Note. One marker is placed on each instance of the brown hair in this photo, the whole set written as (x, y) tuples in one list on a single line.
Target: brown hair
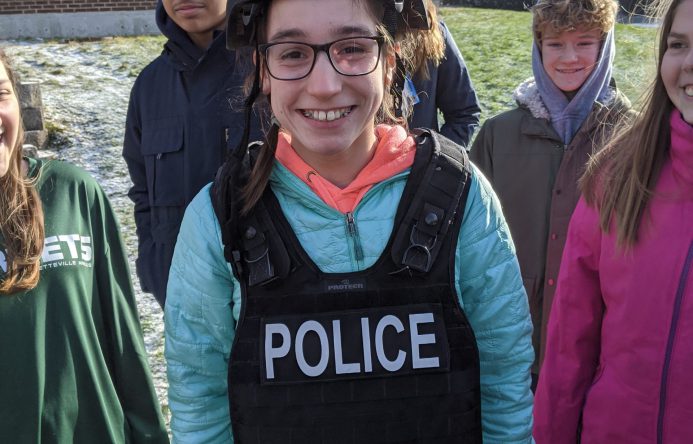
[(620, 179), (429, 45), (259, 176), (21, 216), (557, 16)]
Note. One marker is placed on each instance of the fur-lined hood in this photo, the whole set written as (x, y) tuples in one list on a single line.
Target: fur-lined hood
[(527, 95)]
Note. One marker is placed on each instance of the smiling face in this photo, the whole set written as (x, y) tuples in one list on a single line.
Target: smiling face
[(199, 18), (330, 117), (570, 57), (9, 121), (677, 62)]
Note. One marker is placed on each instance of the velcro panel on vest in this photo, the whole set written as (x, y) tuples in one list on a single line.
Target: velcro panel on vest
[(434, 207)]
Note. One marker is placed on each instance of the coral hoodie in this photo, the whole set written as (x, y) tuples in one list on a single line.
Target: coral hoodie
[(394, 153)]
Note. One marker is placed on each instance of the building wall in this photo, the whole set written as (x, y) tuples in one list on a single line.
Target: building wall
[(71, 6)]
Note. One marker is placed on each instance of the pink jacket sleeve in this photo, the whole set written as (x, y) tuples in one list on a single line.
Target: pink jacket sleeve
[(573, 339)]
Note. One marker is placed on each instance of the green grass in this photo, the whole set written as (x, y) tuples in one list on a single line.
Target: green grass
[(496, 46)]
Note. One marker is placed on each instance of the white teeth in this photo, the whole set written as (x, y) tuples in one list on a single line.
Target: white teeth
[(327, 115), (689, 90)]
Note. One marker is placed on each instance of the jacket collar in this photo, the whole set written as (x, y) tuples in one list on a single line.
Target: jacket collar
[(681, 151), (179, 50), (527, 96)]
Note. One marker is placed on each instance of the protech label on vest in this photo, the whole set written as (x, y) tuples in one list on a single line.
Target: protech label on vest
[(352, 345), (345, 285)]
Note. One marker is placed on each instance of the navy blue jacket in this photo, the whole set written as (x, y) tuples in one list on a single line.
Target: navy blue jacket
[(449, 89), (185, 109)]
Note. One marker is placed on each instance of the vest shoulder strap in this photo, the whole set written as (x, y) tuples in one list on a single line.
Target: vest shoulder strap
[(252, 244), (255, 249), (443, 180)]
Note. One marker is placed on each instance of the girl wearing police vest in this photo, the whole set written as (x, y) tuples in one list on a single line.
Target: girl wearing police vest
[(73, 367), (618, 358), (345, 281)]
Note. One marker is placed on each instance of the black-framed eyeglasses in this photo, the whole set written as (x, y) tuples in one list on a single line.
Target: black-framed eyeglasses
[(352, 56)]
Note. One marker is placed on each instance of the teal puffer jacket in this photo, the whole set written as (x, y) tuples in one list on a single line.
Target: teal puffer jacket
[(203, 302)]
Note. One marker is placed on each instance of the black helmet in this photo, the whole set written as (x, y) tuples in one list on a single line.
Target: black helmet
[(243, 14)]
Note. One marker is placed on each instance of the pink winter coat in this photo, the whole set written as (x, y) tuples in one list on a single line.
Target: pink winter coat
[(620, 334)]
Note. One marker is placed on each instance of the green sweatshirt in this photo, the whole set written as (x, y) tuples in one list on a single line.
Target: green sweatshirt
[(73, 367)]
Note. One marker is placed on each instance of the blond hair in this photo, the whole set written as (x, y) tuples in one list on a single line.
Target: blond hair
[(557, 16), (21, 217), (428, 45)]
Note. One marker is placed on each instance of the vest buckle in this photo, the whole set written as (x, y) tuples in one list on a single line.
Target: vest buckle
[(418, 255)]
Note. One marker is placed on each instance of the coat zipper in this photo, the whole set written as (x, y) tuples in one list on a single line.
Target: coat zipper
[(352, 231), (354, 235), (670, 342)]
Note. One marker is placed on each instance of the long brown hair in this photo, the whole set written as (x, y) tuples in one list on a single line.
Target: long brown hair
[(259, 176), (21, 216), (621, 178), (429, 45)]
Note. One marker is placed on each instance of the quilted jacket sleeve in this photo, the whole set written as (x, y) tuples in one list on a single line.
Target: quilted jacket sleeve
[(199, 329), (572, 351), (494, 300)]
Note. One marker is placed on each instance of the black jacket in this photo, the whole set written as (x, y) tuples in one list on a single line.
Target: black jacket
[(185, 110), (450, 90)]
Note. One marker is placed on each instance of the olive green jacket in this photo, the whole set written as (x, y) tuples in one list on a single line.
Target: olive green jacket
[(535, 176)]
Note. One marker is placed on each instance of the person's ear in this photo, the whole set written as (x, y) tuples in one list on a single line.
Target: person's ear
[(265, 81), (390, 63)]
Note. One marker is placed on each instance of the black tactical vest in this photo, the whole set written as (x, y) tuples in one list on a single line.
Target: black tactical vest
[(382, 355)]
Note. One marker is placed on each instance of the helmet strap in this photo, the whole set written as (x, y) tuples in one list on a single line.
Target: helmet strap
[(242, 147), (397, 86), (390, 18)]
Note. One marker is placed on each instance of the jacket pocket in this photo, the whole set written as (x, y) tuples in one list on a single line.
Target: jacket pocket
[(164, 158)]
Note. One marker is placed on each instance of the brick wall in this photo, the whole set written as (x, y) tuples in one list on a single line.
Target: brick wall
[(41, 6), (521, 5)]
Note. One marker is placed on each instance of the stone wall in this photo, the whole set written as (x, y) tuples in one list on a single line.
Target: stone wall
[(29, 93), (60, 6)]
